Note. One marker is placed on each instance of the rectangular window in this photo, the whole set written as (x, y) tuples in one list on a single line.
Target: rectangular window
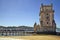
[(47, 22)]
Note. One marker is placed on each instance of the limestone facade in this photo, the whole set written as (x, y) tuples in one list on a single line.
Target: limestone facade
[(47, 22)]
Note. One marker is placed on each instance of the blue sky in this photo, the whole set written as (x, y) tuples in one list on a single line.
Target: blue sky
[(25, 12)]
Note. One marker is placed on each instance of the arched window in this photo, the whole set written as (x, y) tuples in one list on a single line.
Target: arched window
[(47, 22), (47, 14)]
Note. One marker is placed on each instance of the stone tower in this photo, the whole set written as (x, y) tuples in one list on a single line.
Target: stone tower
[(47, 22)]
